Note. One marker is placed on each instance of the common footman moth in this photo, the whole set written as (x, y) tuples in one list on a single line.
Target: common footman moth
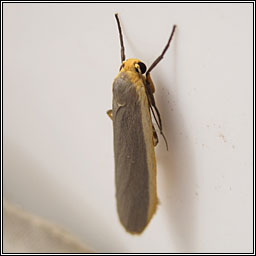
[(134, 140)]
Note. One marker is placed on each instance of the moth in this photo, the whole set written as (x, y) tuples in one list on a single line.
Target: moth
[(135, 137)]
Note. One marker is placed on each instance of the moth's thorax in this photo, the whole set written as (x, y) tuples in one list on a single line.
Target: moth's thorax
[(130, 67)]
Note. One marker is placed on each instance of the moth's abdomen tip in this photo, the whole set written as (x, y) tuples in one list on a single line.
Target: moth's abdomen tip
[(135, 232), (138, 230)]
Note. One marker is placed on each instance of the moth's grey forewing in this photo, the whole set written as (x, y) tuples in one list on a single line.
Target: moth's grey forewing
[(131, 170)]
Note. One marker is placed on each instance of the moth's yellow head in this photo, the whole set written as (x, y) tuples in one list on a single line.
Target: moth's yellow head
[(133, 65)]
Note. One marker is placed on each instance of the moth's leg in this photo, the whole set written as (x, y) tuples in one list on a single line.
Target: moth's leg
[(155, 137), (109, 113), (150, 82)]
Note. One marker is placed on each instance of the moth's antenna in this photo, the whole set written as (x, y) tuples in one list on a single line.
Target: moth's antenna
[(162, 55), (121, 38)]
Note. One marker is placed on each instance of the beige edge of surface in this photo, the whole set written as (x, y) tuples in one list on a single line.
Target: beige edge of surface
[(27, 233)]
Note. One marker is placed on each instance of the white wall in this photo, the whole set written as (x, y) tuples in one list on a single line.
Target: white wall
[(59, 64)]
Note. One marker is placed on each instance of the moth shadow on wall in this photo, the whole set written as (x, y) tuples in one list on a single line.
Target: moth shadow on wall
[(177, 175)]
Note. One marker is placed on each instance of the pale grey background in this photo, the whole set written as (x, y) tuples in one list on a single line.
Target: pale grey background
[(59, 64)]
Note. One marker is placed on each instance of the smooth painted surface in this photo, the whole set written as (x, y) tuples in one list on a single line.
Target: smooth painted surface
[(59, 64)]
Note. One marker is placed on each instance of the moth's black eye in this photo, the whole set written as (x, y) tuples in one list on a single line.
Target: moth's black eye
[(143, 67)]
